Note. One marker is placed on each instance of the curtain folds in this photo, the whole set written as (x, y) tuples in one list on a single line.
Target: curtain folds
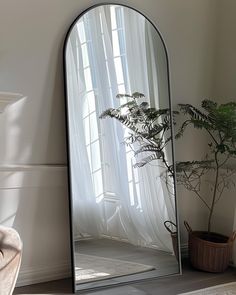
[(109, 52)]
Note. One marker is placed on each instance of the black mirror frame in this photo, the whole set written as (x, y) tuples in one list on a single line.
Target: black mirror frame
[(68, 142)]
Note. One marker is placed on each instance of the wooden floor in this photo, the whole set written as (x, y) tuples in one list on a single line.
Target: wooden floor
[(190, 280), (125, 251), (163, 263)]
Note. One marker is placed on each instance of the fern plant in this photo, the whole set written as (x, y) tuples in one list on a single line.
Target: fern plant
[(219, 122), (150, 127)]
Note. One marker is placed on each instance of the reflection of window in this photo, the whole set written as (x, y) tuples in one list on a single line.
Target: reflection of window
[(120, 61), (89, 113), (118, 41), (107, 38)]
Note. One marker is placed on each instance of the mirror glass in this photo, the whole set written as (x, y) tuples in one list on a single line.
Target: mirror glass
[(123, 205)]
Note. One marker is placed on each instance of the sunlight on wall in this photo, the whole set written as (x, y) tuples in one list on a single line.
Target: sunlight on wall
[(9, 201), (13, 134), (8, 207)]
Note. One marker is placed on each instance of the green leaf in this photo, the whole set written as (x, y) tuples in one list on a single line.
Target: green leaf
[(145, 161)]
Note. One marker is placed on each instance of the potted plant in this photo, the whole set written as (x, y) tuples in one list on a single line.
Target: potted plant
[(150, 133), (207, 250)]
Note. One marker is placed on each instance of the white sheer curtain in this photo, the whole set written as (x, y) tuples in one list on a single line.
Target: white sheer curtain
[(82, 184), (106, 55)]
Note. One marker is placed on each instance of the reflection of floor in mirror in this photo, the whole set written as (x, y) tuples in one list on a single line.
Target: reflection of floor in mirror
[(91, 267), (160, 263)]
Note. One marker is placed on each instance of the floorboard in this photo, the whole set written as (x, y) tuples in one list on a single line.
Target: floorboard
[(163, 263), (125, 251), (172, 285)]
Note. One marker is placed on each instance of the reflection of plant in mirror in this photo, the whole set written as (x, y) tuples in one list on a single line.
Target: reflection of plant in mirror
[(219, 121), (150, 128)]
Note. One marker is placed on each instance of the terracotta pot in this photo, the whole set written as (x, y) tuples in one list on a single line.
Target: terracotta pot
[(209, 252)]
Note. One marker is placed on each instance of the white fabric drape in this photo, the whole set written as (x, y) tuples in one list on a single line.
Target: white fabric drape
[(110, 197), (82, 186)]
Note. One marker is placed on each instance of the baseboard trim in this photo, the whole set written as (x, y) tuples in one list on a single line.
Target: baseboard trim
[(35, 275)]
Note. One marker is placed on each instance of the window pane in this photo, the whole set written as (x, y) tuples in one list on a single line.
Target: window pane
[(121, 89), (119, 72), (91, 101), (88, 79), (121, 39), (89, 156), (113, 18), (93, 127), (131, 193), (85, 107), (115, 43), (101, 23), (104, 47), (97, 182), (108, 74), (129, 166), (85, 55), (87, 131), (81, 32), (118, 12), (95, 154)]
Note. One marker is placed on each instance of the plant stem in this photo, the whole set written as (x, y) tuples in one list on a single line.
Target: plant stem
[(214, 193), (195, 191), (167, 166)]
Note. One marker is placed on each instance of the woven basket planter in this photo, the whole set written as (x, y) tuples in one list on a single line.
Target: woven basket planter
[(211, 253), (172, 229)]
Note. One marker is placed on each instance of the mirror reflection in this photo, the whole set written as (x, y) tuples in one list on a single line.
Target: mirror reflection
[(122, 189)]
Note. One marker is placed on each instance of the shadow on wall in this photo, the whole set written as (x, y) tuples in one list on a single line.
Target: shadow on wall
[(49, 137)]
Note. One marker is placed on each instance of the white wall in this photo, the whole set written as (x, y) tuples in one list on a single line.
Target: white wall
[(32, 132), (33, 200), (224, 90), (225, 62)]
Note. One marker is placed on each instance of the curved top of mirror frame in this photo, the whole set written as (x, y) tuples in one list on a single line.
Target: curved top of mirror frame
[(151, 80), (161, 43), (113, 4)]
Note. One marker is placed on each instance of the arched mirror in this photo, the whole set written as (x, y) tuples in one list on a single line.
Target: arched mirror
[(123, 206)]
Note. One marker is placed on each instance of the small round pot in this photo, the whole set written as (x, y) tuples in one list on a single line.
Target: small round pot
[(209, 252)]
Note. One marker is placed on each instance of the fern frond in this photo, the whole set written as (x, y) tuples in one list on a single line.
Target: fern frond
[(147, 148), (138, 95), (120, 95), (182, 129), (194, 165), (145, 161), (108, 113)]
